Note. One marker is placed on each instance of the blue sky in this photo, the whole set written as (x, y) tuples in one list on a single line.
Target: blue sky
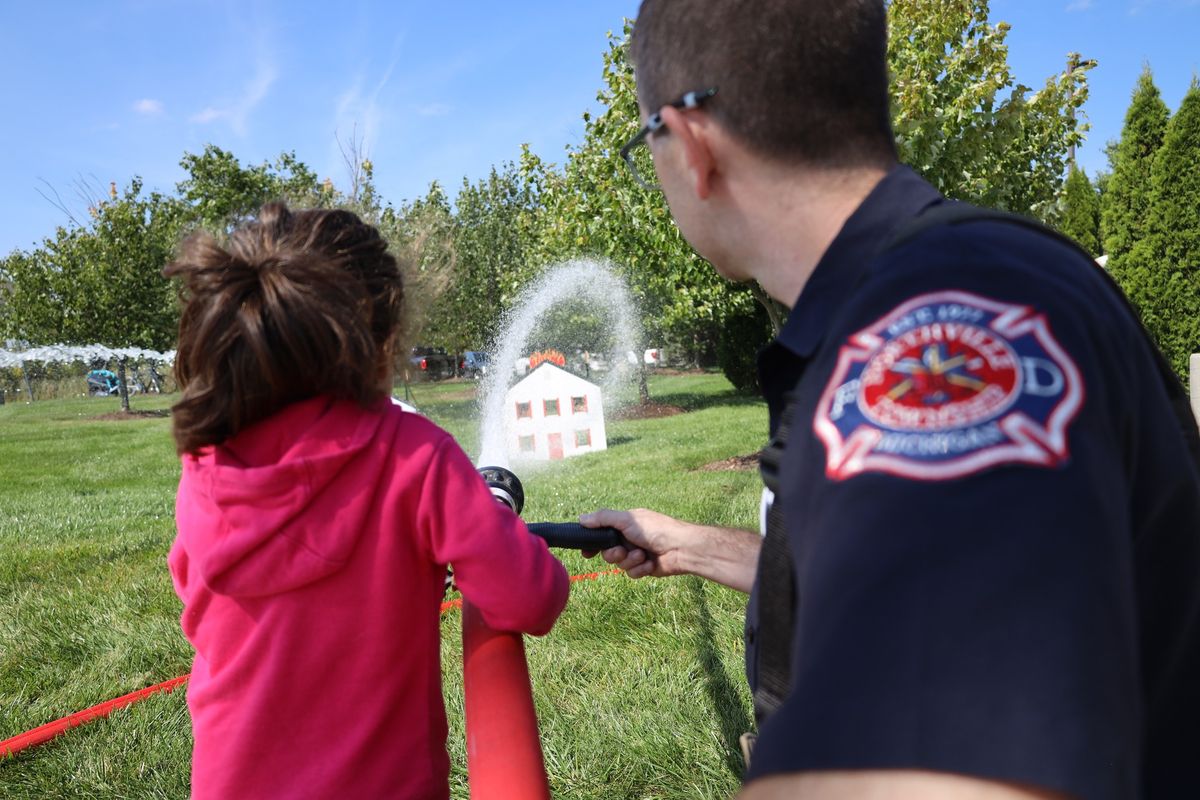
[(105, 91)]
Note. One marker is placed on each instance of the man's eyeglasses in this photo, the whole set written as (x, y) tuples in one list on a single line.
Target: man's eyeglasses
[(636, 153)]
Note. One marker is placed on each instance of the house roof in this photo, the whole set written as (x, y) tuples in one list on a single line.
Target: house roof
[(548, 374)]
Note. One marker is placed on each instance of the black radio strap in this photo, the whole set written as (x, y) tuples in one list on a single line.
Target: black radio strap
[(778, 595), (776, 584)]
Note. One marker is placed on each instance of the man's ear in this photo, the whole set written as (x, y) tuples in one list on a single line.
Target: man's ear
[(692, 133)]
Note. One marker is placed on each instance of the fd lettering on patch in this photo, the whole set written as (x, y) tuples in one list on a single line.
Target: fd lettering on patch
[(946, 385)]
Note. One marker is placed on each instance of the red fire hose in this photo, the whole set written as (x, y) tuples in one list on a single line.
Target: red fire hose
[(504, 751), (44, 733)]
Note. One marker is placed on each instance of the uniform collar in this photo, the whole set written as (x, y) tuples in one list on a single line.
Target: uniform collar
[(901, 195)]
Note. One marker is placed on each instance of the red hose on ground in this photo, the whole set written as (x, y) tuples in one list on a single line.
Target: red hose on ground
[(44, 733), (504, 751)]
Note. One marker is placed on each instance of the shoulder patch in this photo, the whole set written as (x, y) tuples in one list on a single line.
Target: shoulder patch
[(946, 385)]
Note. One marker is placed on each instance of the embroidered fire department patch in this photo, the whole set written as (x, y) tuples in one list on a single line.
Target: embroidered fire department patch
[(946, 385)]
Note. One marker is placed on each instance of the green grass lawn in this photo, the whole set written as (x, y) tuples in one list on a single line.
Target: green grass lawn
[(639, 687)]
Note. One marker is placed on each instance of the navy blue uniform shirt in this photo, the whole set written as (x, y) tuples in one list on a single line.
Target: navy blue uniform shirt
[(993, 518)]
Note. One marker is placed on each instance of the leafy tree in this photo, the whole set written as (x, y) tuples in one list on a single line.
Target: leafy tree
[(222, 193), (421, 233), (1126, 206), (101, 284), (738, 343), (1164, 268), (5, 290), (31, 290), (494, 255), (1080, 218), (963, 122)]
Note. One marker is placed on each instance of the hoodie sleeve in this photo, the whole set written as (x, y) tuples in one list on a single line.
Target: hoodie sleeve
[(503, 569)]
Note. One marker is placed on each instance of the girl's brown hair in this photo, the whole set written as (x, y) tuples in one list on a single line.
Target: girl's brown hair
[(298, 304)]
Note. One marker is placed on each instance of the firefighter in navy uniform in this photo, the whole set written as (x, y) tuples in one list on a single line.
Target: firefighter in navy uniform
[(981, 569)]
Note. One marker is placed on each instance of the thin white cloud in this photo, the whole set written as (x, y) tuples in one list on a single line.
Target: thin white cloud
[(237, 113), (358, 113), (148, 107), (433, 110), (208, 115), (250, 27)]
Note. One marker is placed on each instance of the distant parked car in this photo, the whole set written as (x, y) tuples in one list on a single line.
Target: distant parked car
[(473, 364), (430, 363)]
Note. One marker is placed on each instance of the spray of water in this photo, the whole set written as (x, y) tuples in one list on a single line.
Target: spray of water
[(582, 279)]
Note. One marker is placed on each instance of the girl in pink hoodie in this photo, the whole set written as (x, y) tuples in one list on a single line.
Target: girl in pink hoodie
[(316, 519)]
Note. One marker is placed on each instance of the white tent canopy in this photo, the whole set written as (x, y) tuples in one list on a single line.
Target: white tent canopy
[(61, 353)]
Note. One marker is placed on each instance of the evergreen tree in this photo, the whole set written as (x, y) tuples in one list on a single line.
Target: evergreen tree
[(1127, 198), (1081, 212), (1165, 269)]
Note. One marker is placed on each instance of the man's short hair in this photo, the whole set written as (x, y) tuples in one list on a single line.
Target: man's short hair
[(799, 81)]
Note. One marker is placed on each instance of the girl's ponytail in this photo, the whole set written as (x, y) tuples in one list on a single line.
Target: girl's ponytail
[(297, 305)]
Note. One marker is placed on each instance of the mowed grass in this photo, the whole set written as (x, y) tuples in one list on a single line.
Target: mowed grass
[(639, 687)]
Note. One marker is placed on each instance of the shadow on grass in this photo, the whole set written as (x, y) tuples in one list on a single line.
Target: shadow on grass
[(727, 702), (54, 567), (690, 401), (617, 441), (133, 413)]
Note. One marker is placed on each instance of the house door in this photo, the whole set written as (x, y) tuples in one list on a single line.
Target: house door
[(554, 442)]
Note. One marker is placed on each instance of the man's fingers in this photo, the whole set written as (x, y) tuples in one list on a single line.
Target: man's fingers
[(635, 559), (623, 521), (605, 518), (642, 570), (635, 562), (614, 555)]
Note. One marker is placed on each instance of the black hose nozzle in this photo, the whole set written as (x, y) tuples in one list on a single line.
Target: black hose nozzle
[(505, 486), (573, 536)]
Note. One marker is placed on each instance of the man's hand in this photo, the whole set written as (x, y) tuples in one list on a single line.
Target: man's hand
[(662, 546), (654, 538)]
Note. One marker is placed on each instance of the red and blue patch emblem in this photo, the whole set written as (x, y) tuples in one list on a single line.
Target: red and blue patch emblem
[(946, 385)]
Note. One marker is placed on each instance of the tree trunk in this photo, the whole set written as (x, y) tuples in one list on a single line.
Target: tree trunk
[(121, 384), (28, 385), (775, 310), (643, 389)]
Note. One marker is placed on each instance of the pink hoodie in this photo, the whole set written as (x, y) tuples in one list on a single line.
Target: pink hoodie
[(310, 559)]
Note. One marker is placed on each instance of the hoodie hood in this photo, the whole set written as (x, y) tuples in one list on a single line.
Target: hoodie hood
[(241, 507)]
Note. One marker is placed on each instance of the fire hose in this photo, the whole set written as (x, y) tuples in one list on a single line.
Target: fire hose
[(504, 749)]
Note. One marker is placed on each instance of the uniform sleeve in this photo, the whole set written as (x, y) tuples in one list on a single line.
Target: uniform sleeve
[(505, 571), (964, 563)]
